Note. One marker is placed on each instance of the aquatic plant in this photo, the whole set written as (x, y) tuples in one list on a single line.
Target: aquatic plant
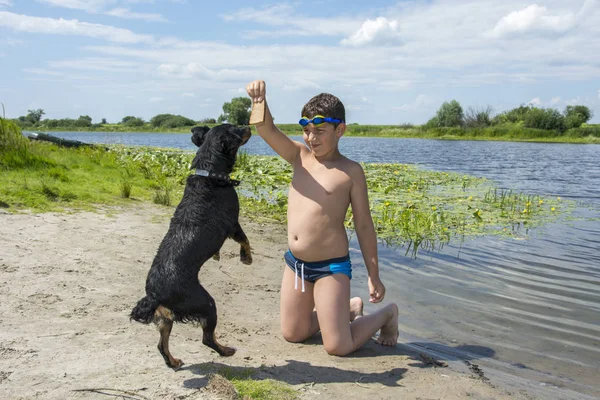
[(411, 207)]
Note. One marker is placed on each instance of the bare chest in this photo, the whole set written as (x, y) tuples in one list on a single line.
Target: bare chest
[(322, 184)]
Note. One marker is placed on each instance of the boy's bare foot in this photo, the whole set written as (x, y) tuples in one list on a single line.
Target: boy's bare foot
[(388, 336), (356, 308)]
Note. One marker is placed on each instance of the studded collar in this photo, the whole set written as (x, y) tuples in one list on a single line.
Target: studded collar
[(217, 175)]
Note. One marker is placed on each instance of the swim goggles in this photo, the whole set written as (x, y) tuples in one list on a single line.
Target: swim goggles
[(318, 120)]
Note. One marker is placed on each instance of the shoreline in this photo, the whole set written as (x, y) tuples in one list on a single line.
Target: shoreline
[(69, 281), (564, 140)]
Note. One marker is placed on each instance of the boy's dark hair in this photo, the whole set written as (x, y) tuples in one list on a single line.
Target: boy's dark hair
[(325, 104)]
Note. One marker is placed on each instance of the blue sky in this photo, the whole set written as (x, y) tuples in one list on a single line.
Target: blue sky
[(389, 62)]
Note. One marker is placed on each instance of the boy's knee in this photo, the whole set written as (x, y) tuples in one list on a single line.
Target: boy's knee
[(293, 336), (337, 349)]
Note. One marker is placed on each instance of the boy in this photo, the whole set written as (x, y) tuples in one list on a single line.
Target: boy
[(324, 185)]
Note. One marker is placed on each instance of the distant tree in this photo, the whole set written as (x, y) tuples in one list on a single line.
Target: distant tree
[(514, 116), (158, 120), (84, 121), (545, 118), (133, 121), (103, 121), (127, 118), (575, 116), (207, 121), (478, 118), (170, 121), (450, 114), (34, 116), (237, 111)]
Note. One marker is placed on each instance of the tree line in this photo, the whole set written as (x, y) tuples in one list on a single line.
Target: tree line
[(450, 114)]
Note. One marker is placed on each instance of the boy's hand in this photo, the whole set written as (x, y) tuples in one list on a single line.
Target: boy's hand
[(257, 90), (376, 290)]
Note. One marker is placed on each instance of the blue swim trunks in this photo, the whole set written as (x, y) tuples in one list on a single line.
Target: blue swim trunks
[(312, 271)]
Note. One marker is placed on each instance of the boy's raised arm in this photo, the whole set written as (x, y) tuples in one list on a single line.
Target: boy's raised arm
[(287, 148)]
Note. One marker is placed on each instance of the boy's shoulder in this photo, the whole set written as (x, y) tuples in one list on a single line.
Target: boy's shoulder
[(351, 167)]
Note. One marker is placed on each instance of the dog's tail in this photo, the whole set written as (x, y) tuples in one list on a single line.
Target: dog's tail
[(144, 310)]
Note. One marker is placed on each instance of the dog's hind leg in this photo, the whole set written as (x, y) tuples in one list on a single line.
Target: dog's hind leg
[(163, 318), (208, 324), (240, 237)]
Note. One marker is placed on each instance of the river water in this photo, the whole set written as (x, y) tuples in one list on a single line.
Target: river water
[(526, 311)]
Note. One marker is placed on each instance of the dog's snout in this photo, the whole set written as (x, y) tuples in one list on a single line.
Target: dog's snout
[(246, 134)]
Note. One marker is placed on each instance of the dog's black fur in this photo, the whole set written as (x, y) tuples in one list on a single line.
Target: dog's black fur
[(207, 215)]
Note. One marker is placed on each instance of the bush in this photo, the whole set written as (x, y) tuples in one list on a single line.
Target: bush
[(133, 121), (450, 114), (575, 116), (548, 119), (207, 121), (514, 116), (177, 121), (478, 118), (158, 120), (432, 123), (170, 121), (15, 151)]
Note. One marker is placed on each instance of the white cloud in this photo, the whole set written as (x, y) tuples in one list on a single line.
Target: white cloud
[(41, 71), (196, 70), (535, 18), (555, 100), (25, 23), (128, 14), (291, 22), (5, 3), (100, 7), (420, 101), (598, 93), (535, 102), (155, 99), (84, 5), (10, 41), (96, 64), (188, 94), (274, 15), (373, 30), (300, 84)]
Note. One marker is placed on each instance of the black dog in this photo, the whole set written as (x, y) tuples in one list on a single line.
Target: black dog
[(207, 215)]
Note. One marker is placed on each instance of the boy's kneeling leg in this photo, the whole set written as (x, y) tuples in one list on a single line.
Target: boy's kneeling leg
[(332, 301), (298, 320)]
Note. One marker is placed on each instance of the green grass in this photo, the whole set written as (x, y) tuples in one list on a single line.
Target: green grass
[(44, 177), (248, 387), (259, 389)]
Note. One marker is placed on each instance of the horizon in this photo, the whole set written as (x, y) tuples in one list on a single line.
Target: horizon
[(389, 62)]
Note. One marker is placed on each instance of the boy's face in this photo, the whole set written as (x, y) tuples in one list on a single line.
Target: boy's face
[(322, 138)]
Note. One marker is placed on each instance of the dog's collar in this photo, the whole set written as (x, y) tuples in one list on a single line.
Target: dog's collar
[(217, 175)]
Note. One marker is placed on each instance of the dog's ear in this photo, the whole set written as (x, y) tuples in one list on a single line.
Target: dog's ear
[(198, 133)]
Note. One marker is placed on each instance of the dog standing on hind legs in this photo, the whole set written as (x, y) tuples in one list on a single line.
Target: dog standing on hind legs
[(205, 217)]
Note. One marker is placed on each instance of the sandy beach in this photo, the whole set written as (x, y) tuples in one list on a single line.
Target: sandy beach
[(68, 282)]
